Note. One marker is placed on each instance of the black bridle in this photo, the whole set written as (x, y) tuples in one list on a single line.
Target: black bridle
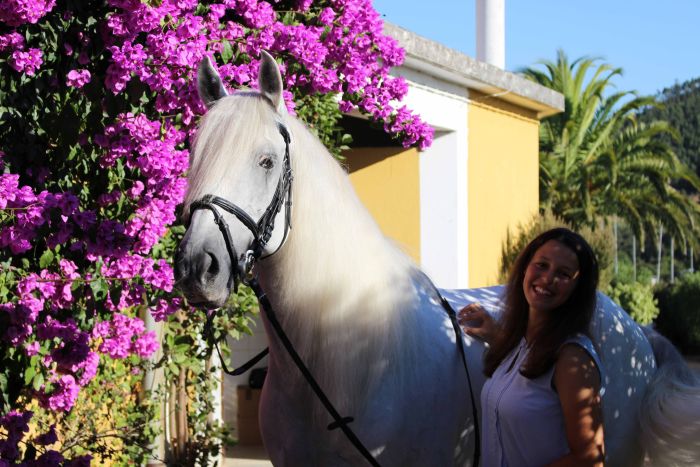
[(262, 231)]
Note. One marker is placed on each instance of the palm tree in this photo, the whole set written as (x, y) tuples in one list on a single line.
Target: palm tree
[(635, 175), (597, 161)]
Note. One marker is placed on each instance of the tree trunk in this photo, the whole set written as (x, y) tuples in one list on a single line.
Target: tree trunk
[(616, 267), (634, 258), (658, 262), (152, 380), (173, 419), (182, 431), (672, 264)]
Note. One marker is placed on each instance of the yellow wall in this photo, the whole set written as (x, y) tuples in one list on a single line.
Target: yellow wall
[(502, 180), (387, 181)]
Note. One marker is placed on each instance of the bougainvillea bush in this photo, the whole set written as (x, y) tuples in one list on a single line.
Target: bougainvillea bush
[(97, 111)]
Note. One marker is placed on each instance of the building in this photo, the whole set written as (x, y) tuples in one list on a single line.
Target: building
[(452, 205)]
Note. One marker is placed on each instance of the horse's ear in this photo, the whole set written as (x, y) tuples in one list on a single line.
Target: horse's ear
[(209, 84), (270, 81)]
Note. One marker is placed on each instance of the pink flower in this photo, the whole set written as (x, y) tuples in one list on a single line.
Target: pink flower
[(64, 395), (26, 62), (136, 189), (17, 12), (31, 349), (327, 16), (77, 78), (69, 269), (146, 344), (11, 41)]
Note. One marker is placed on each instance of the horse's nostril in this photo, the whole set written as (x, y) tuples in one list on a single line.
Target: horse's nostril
[(180, 265), (213, 267)]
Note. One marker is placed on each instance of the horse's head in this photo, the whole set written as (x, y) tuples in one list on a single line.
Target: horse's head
[(239, 184)]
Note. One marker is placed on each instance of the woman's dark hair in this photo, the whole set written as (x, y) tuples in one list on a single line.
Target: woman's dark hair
[(572, 317)]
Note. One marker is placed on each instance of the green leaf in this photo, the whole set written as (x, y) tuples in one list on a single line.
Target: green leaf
[(173, 368), (99, 288), (46, 259), (3, 383), (38, 381), (179, 358), (181, 349), (72, 152), (29, 375), (226, 51)]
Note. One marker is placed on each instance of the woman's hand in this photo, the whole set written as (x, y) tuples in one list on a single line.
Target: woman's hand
[(477, 322)]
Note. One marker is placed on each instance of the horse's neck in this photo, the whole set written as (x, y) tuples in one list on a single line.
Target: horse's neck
[(344, 294), (338, 271), (336, 254)]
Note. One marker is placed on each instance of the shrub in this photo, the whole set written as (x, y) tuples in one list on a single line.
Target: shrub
[(645, 274), (97, 108), (679, 316), (635, 298), (601, 242)]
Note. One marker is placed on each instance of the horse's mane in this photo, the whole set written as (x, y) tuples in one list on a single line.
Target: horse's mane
[(346, 293), (343, 273)]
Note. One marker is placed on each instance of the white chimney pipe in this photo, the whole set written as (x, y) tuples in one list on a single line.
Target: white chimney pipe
[(491, 32)]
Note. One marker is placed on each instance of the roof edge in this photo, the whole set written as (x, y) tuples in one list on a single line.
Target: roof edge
[(438, 60)]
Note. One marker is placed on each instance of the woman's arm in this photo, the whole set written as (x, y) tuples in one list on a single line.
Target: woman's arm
[(577, 382)]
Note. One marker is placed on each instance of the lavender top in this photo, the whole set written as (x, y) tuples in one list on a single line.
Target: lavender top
[(523, 424)]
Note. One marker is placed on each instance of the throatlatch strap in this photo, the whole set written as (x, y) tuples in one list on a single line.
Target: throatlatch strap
[(241, 369)]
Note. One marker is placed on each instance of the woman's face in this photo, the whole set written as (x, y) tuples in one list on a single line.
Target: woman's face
[(551, 276)]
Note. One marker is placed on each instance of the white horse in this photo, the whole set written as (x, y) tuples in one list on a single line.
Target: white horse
[(363, 318)]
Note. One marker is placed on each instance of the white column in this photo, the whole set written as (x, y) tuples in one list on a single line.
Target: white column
[(491, 32), (443, 211), (443, 169)]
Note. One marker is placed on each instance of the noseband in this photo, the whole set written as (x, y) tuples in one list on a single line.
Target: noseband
[(261, 230)]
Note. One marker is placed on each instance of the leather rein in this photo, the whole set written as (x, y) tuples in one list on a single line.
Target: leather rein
[(262, 231)]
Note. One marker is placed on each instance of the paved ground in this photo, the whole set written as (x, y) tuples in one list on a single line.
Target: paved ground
[(246, 456), (255, 456)]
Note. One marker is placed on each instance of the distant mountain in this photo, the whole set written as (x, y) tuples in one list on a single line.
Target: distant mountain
[(682, 110)]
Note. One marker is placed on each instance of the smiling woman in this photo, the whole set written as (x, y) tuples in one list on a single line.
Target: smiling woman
[(550, 278), (542, 365)]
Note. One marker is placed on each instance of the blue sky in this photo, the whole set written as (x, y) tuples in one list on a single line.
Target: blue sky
[(657, 43)]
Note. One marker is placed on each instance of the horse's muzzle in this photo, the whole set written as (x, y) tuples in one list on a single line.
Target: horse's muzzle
[(204, 277)]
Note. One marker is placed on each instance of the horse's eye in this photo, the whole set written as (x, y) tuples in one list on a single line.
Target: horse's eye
[(266, 162)]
